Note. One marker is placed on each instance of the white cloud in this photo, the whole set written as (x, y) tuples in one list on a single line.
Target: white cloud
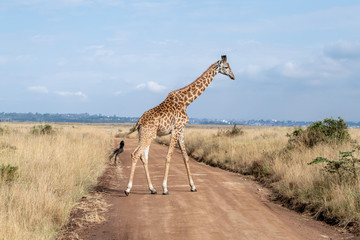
[(42, 89), (152, 86), (155, 87), (332, 64), (67, 94), (140, 86), (291, 69), (334, 18), (38, 89), (301, 72)]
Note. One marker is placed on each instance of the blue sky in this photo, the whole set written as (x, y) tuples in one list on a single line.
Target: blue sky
[(292, 60)]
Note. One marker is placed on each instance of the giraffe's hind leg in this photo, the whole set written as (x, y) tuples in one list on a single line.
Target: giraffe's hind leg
[(141, 152)]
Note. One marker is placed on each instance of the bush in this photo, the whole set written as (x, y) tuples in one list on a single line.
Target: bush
[(8, 172), (235, 131), (120, 134), (346, 167), (4, 130), (260, 169), (42, 130), (325, 131)]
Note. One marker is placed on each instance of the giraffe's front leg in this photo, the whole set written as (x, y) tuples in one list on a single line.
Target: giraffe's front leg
[(167, 163)]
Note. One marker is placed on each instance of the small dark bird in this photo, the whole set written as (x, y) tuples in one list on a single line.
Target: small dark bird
[(117, 151)]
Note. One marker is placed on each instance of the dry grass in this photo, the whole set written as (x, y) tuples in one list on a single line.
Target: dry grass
[(55, 171), (262, 152), (235, 153), (90, 210)]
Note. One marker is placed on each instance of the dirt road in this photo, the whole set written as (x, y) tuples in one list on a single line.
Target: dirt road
[(226, 206)]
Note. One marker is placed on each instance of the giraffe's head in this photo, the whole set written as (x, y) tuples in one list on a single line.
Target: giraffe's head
[(223, 67)]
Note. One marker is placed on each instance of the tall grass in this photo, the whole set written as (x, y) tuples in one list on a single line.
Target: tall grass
[(54, 171), (236, 153), (263, 153)]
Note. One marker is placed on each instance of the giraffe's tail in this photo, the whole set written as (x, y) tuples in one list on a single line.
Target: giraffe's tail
[(134, 128)]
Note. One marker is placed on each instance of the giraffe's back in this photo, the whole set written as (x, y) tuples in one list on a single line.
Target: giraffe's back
[(164, 117)]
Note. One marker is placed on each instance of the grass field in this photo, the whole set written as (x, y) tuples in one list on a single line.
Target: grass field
[(54, 171), (57, 168), (262, 152)]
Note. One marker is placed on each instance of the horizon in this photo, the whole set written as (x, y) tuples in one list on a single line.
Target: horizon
[(291, 60), (228, 120)]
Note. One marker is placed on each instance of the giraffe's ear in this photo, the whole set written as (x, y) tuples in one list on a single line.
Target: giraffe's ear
[(223, 58)]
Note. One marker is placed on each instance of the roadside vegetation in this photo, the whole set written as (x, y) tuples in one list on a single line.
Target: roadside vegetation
[(313, 169), (44, 171), (46, 168)]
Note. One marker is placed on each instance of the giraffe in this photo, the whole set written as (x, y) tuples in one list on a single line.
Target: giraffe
[(170, 117)]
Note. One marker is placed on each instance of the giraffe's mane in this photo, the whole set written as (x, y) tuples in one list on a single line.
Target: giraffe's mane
[(180, 89)]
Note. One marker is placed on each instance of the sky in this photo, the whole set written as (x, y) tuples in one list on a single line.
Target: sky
[(293, 60)]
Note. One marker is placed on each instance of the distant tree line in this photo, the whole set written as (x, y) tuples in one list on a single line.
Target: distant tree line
[(58, 117), (99, 118)]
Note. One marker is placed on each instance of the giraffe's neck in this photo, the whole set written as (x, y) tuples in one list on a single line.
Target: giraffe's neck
[(192, 91)]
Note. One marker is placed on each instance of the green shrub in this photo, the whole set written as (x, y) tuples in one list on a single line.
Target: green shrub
[(325, 131), (42, 130), (8, 172), (346, 167)]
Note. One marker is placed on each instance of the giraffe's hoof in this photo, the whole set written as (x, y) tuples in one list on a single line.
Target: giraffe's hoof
[(153, 191), (166, 193), (127, 193), (193, 190)]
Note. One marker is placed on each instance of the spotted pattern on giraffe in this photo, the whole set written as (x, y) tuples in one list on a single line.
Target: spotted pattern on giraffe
[(170, 117)]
